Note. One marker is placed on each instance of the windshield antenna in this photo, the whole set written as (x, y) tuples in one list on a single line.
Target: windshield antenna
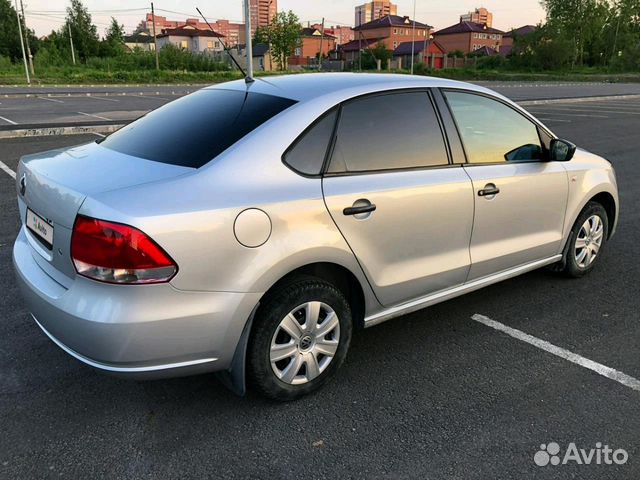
[(224, 45)]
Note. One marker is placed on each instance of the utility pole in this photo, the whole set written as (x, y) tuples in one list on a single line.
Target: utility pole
[(155, 40), (73, 52), (413, 37), (321, 42), (26, 39), (24, 55), (249, 49)]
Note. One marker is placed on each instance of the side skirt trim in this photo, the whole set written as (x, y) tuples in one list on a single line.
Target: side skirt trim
[(443, 295)]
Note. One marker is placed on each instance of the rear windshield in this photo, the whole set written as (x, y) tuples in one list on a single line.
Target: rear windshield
[(193, 130)]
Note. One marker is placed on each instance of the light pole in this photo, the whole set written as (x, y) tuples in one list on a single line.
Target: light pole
[(413, 37)]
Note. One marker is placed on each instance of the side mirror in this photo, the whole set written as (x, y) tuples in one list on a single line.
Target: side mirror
[(561, 150)]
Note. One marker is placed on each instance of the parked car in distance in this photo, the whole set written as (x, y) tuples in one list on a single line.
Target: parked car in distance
[(250, 228)]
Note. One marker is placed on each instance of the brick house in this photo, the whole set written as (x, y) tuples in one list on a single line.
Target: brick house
[(192, 39), (468, 37), (343, 34), (392, 30), (309, 46), (429, 52)]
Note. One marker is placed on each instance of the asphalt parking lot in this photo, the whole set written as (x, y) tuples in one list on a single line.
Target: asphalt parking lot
[(433, 394), (75, 104)]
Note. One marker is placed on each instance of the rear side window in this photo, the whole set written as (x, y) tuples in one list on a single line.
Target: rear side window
[(386, 132), (307, 154), (193, 130), (493, 132)]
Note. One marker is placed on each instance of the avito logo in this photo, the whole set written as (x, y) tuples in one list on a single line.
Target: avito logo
[(550, 453)]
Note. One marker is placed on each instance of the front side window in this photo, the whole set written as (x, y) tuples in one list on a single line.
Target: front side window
[(492, 132), (196, 128), (386, 132)]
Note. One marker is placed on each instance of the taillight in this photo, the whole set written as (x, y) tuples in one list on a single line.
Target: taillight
[(117, 253)]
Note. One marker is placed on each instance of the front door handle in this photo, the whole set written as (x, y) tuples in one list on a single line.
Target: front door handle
[(359, 210), (489, 190)]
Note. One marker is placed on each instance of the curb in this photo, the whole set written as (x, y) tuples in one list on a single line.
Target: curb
[(48, 131), (93, 94), (526, 103)]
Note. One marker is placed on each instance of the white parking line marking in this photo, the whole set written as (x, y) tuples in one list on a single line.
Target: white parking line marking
[(582, 108), (7, 120), (554, 120), (600, 369), (153, 98), (547, 112), (103, 99), (51, 99), (92, 115), (7, 170)]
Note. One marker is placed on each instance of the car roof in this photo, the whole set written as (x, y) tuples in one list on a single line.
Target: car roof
[(306, 87)]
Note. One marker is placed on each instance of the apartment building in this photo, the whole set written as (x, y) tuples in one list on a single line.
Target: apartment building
[(262, 13), (367, 12), (479, 15)]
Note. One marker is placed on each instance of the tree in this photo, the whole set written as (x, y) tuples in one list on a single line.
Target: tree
[(580, 22), (113, 44), (284, 35), (9, 36), (83, 31)]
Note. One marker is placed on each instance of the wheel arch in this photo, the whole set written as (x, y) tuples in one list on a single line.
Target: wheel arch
[(339, 276), (609, 203)]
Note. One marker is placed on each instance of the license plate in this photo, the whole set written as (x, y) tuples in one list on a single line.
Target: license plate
[(40, 227)]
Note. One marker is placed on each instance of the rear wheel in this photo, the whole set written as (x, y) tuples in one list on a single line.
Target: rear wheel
[(300, 338), (586, 241)]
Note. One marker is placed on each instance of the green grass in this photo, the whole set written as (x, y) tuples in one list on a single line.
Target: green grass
[(14, 74)]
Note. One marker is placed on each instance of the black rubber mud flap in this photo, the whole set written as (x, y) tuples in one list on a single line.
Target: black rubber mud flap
[(235, 377)]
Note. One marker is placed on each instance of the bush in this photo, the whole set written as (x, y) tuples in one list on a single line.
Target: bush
[(494, 62)]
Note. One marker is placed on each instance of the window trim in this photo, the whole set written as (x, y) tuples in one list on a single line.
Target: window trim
[(540, 129), (429, 92)]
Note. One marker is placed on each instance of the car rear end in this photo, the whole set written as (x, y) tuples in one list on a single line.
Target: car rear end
[(102, 288)]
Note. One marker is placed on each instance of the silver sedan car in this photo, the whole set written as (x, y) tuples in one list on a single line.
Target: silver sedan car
[(250, 228)]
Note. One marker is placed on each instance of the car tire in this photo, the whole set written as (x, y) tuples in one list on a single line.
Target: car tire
[(314, 352), (589, 234)]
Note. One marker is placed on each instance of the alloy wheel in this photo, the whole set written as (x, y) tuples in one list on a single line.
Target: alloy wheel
[(589, 241)]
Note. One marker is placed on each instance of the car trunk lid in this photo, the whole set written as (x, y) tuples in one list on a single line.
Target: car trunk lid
[(54, 184)]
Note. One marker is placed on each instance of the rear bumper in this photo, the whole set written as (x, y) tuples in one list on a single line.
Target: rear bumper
[(146, 331)]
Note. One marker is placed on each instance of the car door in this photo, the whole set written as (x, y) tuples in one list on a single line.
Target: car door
[(404, 210), (520, 198)]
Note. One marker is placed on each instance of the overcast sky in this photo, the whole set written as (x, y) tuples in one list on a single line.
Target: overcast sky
[(45, 15)]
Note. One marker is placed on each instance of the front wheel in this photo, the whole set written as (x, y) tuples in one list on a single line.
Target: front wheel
[(586, 241), (300, 338)]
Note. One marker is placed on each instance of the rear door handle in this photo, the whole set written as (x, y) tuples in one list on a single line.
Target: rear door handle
[(359, 210), (489, 190)]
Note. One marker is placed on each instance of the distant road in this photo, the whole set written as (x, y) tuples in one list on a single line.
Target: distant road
[(77, 105)]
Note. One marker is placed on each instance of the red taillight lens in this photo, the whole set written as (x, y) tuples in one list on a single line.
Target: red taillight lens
[(117, 253)]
